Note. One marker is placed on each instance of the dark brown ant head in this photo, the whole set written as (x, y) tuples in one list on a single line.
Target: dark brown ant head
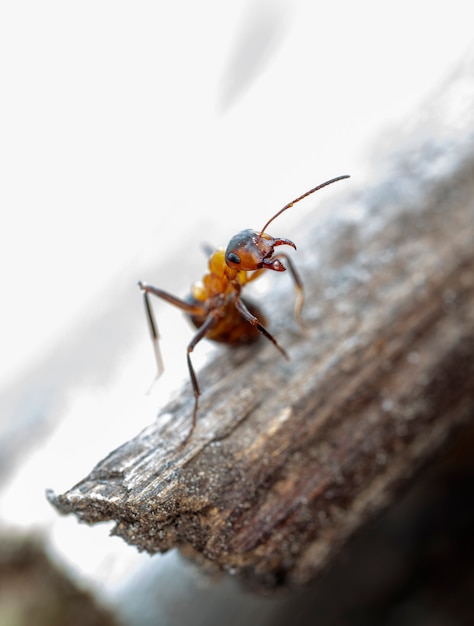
[(249, 250)]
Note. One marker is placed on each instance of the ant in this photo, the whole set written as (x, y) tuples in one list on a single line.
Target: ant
[(215, 305)]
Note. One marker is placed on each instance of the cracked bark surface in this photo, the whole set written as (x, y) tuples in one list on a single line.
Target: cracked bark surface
[(290, 459)]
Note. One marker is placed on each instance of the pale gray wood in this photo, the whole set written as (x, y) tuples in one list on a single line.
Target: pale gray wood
[(289, 459)]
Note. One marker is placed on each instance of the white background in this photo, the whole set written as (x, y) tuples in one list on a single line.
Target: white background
[(130, 133)]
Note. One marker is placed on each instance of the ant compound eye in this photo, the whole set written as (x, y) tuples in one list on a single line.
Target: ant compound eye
[(233, 258)]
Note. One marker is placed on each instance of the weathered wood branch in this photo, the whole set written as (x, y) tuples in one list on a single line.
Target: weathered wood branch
[(289, 459)]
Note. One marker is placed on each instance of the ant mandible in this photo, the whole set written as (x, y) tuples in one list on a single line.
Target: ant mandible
[(215, 305)]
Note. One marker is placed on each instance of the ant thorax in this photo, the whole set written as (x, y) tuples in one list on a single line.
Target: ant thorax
[(220, 278)]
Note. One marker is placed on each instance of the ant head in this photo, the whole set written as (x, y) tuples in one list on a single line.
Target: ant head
[(250, 250)]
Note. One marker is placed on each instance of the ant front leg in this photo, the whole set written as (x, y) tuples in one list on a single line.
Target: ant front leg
[(251, 319), (298, 287), (297, 282), (152, 325)]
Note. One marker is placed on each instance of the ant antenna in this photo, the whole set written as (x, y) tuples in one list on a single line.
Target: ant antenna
[(308, 193)]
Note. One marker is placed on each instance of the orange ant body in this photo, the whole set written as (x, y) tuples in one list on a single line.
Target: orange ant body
[(215, 305)]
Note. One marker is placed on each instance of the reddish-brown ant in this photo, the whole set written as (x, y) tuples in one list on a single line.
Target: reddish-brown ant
[(215, 305)]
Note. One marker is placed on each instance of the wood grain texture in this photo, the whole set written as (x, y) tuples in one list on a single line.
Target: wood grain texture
[(289, 459)]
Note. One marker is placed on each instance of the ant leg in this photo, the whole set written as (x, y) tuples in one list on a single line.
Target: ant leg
[(298, 287), (251, 319), (210, 320), (255, 274), (192, 309), (155, 335), (207, 249), (152, 325)]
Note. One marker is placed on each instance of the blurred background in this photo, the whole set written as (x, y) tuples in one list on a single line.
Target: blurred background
[(130, 134)]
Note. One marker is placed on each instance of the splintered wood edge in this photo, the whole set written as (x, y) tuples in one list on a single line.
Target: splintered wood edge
[(289, 459)]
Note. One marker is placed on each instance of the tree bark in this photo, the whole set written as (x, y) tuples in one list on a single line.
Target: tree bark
[(289, 459)]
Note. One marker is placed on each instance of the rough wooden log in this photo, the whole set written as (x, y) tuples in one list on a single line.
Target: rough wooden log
[(289, 459)]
